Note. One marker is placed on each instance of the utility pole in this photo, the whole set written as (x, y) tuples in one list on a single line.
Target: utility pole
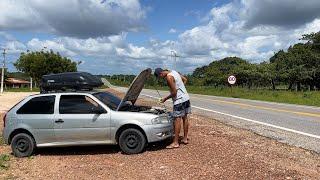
[(2, 71), (30, 83), (174, 55)]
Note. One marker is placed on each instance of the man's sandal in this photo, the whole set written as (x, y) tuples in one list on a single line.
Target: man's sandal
[(172, 146), (184, 142)]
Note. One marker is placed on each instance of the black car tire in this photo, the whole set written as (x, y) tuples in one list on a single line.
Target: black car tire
[(132, 141), (22, 145)]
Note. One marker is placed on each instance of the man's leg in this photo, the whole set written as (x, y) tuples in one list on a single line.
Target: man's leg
[(177, 126), (185, 128)]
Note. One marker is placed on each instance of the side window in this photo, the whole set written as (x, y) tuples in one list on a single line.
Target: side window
[(38, 105), (77, 104)]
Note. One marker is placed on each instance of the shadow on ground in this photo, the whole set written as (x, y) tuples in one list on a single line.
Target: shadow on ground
[(93, 150)]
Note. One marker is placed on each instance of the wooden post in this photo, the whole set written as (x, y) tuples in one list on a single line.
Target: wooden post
[(30, 83)]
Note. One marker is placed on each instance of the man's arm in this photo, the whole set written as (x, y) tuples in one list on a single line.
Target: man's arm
[(184, 79), (172, 86)]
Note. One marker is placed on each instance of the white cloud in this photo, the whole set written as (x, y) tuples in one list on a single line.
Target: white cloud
[(6, 36), (226, 32), (14, 47), (199, 41), (76, 18), (36, 44), (257, 46), (172, 31)]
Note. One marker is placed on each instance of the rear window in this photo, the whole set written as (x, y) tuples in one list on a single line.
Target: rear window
[(77, 104), (38, 105)]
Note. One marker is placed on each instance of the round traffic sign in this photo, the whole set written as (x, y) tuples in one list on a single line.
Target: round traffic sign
[(232, 79)]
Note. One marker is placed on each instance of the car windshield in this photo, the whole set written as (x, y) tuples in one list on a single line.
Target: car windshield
[(108, 99)]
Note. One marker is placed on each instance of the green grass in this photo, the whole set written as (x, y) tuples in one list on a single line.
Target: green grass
[(119, 82), (4, 161), (311, 98), (21, 90)]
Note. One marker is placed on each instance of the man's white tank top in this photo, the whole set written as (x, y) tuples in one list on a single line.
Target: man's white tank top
[(182, 94)]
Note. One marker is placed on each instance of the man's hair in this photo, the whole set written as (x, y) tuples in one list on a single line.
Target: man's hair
[(157, 72)]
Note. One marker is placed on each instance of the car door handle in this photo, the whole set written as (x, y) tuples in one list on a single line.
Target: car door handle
[(59, 121)]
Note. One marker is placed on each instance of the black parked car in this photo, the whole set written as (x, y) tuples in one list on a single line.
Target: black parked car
[(69, 81)]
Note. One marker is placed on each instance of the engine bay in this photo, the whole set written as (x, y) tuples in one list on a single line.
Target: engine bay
[(144, 109)]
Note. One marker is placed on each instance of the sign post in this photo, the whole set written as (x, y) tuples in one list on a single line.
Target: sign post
[(232, 80), (30, 83)]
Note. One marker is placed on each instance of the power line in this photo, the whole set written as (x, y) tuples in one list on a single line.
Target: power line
[(174, 55)]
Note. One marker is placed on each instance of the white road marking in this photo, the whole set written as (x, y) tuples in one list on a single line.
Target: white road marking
[(250, 120), (262, 123)]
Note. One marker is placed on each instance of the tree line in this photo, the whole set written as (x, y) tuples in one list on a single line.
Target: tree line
[(297, 68)]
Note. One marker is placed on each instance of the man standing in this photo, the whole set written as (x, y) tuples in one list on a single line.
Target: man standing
[(181, 103)]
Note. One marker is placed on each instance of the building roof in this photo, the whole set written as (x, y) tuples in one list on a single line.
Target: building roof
[(16, 81)]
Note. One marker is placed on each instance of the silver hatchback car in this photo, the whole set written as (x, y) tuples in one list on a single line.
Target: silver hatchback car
[(86, 118)]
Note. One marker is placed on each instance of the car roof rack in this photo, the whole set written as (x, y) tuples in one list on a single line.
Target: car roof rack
[(70, 91), (69, 82)]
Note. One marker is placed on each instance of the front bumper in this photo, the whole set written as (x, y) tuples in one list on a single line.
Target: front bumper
[(158, 132)]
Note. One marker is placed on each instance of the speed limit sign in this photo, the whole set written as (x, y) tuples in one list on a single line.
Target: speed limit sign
[(232, 79)]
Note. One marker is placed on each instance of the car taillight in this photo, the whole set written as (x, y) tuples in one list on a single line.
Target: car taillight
[(4, 120)]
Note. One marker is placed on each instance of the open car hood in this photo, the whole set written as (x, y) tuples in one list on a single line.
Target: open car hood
[(136, 87)]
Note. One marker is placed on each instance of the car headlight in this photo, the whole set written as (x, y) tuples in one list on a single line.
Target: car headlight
[(160, 120)]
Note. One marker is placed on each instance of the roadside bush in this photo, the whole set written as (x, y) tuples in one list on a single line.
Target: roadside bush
[(4, 161), (1, 140)]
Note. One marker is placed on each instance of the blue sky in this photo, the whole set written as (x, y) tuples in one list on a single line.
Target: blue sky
[(126, 36), (165, 15)]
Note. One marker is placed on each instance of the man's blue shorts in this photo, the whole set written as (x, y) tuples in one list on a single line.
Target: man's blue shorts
[(182, 109)]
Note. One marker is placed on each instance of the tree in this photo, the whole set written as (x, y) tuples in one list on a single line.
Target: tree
[(37, 64), (299, 65), (268, 74), (217, 72), (313, 40)]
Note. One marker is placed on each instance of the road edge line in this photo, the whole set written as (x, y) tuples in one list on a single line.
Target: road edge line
[(250, 120)]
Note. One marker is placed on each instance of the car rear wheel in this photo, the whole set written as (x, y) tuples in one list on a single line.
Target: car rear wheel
[(22, 145), (132, 141)]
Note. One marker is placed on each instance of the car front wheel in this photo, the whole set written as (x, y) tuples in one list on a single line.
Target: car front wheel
[(132, 141), (22, 145)]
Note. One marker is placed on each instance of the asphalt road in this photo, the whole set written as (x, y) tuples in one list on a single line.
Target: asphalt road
[(293, 124)]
